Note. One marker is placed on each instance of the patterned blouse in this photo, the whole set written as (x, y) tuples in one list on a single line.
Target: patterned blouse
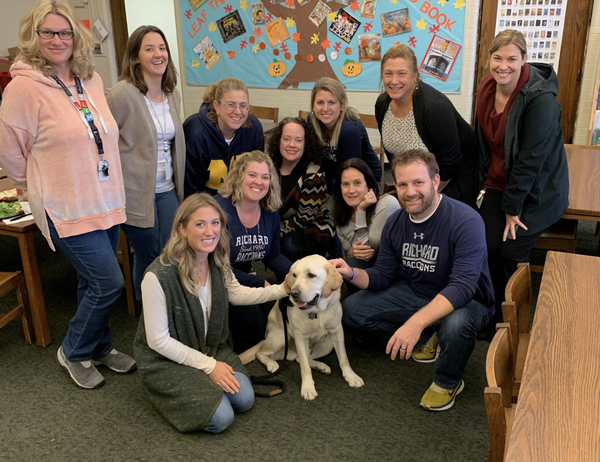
[(400, 134)]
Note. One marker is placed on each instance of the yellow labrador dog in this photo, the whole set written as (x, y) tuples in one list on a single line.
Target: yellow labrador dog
[(315, 325)]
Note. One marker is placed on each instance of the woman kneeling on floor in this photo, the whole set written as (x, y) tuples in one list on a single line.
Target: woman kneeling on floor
[(183, 346)]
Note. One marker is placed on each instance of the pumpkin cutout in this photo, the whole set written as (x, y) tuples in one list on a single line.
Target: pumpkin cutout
[(351, 68), (277, 68)]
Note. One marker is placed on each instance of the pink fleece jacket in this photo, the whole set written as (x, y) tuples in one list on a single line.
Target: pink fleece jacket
[(45, 150)]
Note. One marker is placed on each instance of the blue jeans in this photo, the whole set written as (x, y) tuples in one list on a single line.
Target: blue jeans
[(94, 256), (385, 311), (232, 403), (148, 243)]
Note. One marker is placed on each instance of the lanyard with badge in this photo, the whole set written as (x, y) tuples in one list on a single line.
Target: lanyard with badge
[(88, 118)]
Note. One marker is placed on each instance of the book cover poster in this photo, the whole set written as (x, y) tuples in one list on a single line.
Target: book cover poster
[(344, 26), (207, 52), (319, 13), (231, 26), (367, 8), (258, 14), (395, 22), (440, 57), (369, 48), (277, 32), (195, 4)]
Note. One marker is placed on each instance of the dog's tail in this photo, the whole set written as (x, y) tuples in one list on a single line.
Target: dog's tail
[(250, 354)]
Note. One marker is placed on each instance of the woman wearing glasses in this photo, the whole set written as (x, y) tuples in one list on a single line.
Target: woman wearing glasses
[(146, 106), (59, 144), (221, 130)]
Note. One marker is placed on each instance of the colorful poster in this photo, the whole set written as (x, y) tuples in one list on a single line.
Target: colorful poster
[(291, 43)]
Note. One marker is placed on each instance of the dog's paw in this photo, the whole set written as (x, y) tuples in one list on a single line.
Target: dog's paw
[(354, 380), (321, 367), (308, 392), (272, 366)]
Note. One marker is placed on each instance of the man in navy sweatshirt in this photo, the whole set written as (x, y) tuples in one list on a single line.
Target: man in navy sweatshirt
[(430, 289)]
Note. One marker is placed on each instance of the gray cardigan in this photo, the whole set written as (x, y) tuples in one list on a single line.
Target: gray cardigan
[(138, 145)]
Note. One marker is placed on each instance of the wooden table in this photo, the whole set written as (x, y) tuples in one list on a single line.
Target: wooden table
[(24, 233), (584, 182), (557, 418)]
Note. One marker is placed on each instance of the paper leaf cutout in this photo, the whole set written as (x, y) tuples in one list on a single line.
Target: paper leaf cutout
[(289, 22), (459, 4), (412, 42), (314, 39), (244, 4), (296, 37), (325, 44), (421, 24), (231, 54), (195, 63), (212, 27)]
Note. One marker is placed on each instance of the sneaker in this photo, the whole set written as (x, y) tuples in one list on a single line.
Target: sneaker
[(83, 373), (440, 399), (117, 361), (429, 352)]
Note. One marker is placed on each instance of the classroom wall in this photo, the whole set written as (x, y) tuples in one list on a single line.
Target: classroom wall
[(165, 15), (290, 101)]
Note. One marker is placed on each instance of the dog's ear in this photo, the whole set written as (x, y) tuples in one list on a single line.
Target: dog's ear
[(333, 281), (289, 278)]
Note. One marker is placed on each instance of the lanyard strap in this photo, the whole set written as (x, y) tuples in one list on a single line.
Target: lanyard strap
[(83, 109)]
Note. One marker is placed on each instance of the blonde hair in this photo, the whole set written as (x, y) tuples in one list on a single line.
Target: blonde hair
[(338, 90), (216, 92), (81, 62), (230, 189), (132, 70), (506, 37), (400, 51), (177, 250)]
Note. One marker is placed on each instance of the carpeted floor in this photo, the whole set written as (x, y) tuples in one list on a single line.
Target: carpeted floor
[(44, 416)]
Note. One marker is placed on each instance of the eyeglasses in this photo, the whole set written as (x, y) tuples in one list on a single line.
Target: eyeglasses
[(49, 34), (231, 106)]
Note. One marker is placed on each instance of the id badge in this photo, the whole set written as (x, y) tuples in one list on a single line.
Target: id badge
[(103, 170)]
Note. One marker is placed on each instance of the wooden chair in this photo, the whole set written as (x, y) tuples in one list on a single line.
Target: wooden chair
[(14, 281), (499, 369), (516, 312), (370, 123), (561, 236), (303, 114), (270, 114), (125, 260), (265, 113)]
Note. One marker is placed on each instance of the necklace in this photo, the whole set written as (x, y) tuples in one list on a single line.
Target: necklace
[(244, 221), (162, 129)]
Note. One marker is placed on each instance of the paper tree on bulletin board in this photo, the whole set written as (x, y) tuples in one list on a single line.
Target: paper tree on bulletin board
[(293, 43)]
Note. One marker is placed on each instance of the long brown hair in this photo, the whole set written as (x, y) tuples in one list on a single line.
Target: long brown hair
[(132, 70), (178, 252)]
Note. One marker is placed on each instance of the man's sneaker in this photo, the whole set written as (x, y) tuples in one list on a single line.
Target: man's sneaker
[(429, 352), (117, 361), (83, 373), (440, 399)]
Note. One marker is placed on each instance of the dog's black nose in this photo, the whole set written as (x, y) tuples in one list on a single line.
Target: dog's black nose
[(295, 293)]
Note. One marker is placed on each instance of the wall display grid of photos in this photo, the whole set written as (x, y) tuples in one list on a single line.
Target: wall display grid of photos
[(291, 43), (541, 22)]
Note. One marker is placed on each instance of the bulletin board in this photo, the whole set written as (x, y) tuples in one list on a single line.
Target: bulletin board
[(292, 43)]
